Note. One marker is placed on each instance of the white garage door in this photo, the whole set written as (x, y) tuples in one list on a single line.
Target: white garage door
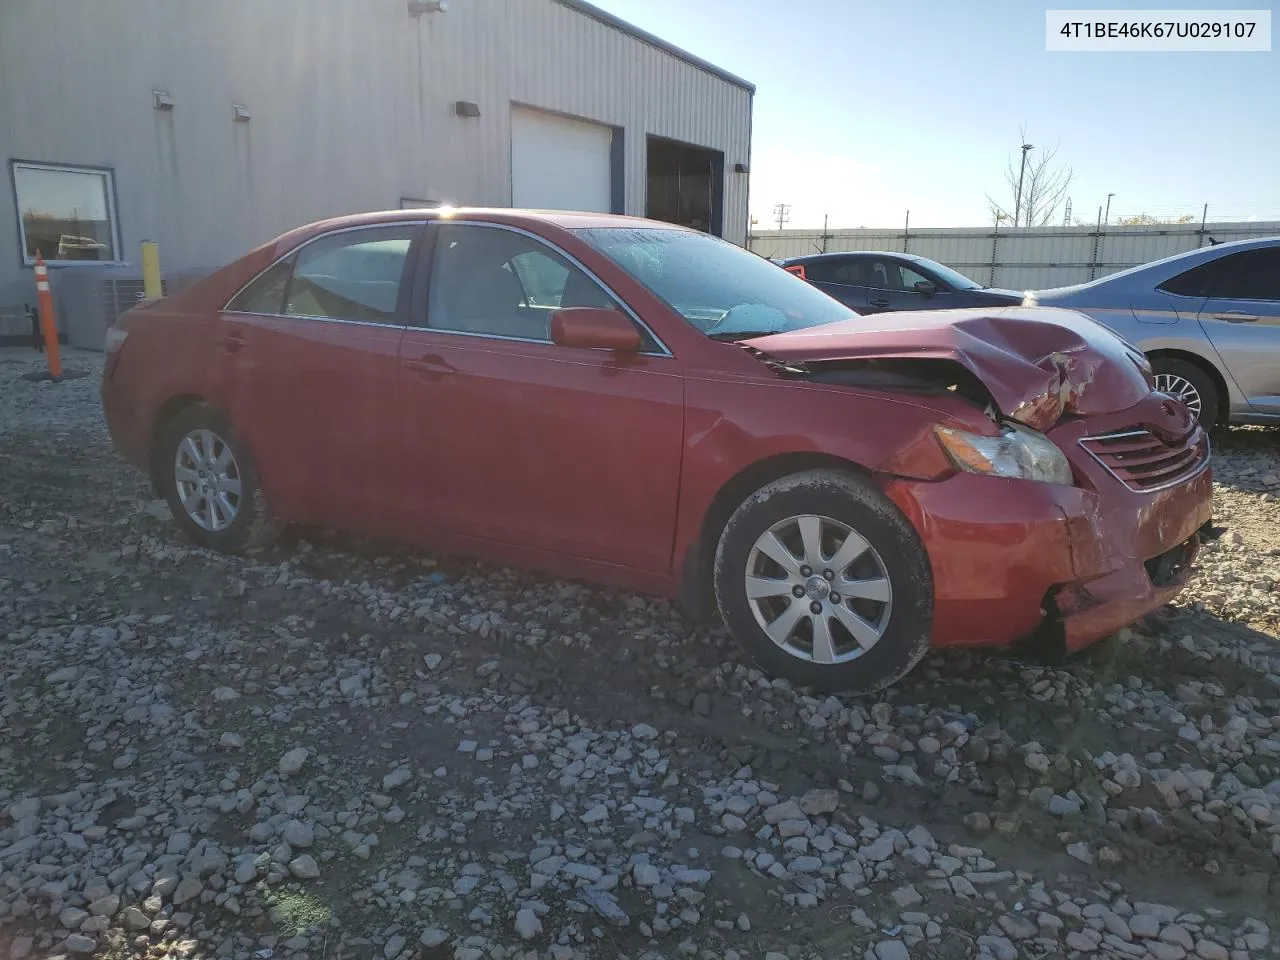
[(558, 163)]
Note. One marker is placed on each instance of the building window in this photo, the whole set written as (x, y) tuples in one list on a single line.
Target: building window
[(65, 213)]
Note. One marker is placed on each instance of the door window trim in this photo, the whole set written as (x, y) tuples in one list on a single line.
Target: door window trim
[(403, 299), (429, 249)]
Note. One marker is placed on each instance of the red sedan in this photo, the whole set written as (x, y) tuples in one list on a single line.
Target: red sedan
[(632, 403)]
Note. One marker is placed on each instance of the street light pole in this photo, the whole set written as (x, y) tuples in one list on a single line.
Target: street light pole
[(1106, 218), (1017, 200)]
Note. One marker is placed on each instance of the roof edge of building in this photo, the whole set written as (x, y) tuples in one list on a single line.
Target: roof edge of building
[(590, 10)]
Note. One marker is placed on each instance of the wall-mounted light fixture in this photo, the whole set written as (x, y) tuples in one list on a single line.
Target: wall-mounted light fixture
[(466, 108), (240, 112), (418, 7), (740, 168), (161, 100)]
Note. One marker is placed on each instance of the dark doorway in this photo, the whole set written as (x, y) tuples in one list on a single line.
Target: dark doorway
[(686, 185)]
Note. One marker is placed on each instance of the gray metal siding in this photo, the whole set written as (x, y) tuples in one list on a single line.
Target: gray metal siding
[(351, 104), (1023, 259)]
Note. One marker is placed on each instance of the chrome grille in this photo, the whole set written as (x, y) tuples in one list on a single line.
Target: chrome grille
[(1143, 461)]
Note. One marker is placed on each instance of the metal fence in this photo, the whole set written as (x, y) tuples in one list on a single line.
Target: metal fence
[(1022, 258)]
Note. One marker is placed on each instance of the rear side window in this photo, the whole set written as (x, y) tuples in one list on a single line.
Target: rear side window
[(847, 271), (1251, 275), (352, 275), (1197, 281), (266, 293)]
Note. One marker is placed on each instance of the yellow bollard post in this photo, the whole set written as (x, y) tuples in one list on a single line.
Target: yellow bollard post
[(151, 288)]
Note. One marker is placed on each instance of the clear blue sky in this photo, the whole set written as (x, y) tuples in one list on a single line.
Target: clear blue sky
[(867, 108)]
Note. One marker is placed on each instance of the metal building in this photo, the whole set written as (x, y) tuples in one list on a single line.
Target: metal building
[(211, 127)]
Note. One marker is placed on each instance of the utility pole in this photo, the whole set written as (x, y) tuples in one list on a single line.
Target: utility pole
[(782, 213), (1017, 200), (1106, 217), (824, 233), (906, 231)]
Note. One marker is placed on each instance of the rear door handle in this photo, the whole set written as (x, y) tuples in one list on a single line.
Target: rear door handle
[(231, 342), (880, 302), (1237, 316), (430, 367)]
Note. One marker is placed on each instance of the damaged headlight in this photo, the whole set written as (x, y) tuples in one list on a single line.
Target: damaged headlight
[(1017, 452)]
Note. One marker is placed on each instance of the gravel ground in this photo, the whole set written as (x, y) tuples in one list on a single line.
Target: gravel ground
[(340, 749)]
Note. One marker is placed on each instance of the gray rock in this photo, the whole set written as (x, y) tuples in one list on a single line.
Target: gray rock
[(433, 937), (396, 778), (527, 924), (394, 947), (892, 950), (817, 803), (79, 943), (304, 867), (646, 875), (1001, 948), (789, 810), (1209, 950), (188, 889), (298, 834), (291, 763), (20, 948)]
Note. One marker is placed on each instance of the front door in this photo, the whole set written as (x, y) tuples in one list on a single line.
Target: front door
[(511, 438), (892, 286), (1242, 320), (310, 375)]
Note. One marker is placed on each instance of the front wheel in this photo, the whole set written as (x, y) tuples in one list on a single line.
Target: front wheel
[(211, 483), (825, 583)]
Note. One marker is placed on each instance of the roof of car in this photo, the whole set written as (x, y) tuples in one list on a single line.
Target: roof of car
[(569, 220), (811, 257)]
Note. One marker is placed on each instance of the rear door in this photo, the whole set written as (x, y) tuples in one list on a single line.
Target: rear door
[(1241, 317), (310, 372)]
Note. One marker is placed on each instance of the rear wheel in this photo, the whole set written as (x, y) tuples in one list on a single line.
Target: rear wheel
[(825, 583), (211, 483), (1189, 383)]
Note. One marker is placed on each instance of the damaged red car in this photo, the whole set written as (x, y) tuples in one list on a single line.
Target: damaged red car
[(636, 404)]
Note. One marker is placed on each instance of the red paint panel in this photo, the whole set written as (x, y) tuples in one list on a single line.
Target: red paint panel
[(316, 401), (571, 451)]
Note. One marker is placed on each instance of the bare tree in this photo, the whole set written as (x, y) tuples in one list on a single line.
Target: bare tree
[(1035, 192)]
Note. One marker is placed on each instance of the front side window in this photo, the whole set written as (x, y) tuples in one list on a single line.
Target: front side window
[(352, 275), (909, 278), (496, 282), (266, 293), (720, 289), (65, 214)]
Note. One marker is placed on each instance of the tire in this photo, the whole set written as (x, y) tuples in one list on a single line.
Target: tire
[(1189, 382), (240, 521), (839, 502)]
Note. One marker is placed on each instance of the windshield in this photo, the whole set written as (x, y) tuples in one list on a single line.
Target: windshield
[(952, 278), (722, 290)]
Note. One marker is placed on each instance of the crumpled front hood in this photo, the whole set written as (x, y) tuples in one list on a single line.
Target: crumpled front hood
[(1037, 363)]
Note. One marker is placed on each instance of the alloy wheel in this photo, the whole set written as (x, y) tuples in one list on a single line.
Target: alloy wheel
[(208, 481), (1180, 389), (818, 589)]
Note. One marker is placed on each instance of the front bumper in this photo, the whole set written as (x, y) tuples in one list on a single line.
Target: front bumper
[(1013, 558)]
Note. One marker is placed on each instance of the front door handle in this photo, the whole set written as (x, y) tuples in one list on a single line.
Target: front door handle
[(880, 302), (430, 367), (1237, 316)]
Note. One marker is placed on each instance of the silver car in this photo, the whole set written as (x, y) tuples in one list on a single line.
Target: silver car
[(1209, 320)]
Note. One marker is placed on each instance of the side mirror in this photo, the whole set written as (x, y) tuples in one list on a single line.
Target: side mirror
[(926, 287), (598, 328)]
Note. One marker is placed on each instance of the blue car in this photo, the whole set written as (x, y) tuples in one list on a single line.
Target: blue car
[(871, 282)]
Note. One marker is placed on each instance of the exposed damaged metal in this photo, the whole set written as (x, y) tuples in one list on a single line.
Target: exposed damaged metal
[(1036, 365)]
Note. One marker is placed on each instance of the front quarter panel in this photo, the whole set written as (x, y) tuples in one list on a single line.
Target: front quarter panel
[(733, 423)]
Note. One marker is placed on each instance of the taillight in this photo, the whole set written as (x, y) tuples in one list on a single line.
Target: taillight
[(116, 337)]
